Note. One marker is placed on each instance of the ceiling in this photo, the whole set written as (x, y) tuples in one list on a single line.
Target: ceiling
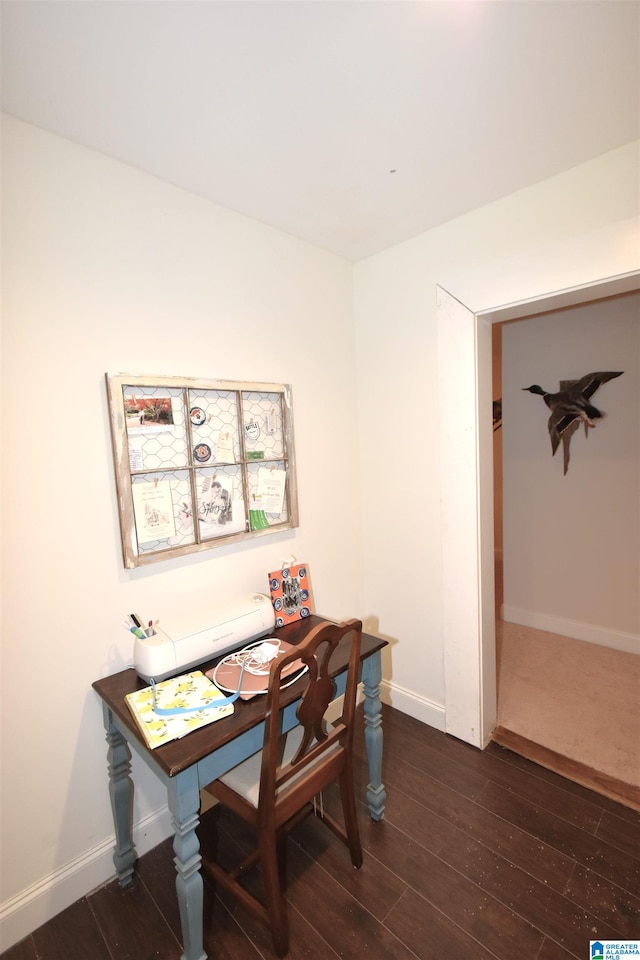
[(353, 124)]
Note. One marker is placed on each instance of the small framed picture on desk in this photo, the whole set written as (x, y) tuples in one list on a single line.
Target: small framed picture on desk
[(291, 593)]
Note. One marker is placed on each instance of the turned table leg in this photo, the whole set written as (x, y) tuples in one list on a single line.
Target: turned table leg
[(121, 794), (184, 804), (371, 677)]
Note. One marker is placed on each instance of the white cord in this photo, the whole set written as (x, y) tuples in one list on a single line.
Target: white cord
[(256, 657)]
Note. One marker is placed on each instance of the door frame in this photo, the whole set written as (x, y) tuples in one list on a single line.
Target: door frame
[(466, 467)]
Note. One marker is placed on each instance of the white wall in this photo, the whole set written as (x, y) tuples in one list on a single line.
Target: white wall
[(572, 229), (108, 269), (572, 543)]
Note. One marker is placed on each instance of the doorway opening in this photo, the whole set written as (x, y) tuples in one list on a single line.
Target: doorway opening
[(466, 458), (567, 559)]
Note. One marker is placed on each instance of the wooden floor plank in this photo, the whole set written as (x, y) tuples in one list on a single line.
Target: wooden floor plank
[(231, 839), (611, 862), (132, 924), (620, 832), (225, 934), (445, 769), (564, 785), (347, 926), (157, 871), (482, 854), (483, 825), (550, 950), (305, 942), (551, 795), (603, 783), (617, 907), (429, 934), (559, 918), (72, 933), (465, 904), (377, 888), (25, 950), (406, 728)]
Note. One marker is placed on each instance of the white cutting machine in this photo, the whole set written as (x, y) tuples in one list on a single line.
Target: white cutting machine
[(233, 624)]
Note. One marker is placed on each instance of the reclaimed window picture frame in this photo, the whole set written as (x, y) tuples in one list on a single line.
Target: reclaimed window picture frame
[(199, 463)]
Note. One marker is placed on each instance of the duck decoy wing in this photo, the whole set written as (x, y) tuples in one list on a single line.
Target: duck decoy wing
[(566, 441), (557, 423), (586, 386)]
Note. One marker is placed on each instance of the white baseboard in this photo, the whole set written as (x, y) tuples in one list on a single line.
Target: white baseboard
[(403, 700), (613, 639), (414, 706), (42, 901)]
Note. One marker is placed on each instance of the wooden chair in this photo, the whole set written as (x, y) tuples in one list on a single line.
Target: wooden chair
[(274, 789)]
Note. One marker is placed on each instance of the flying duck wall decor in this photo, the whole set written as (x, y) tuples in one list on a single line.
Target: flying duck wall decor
[(570, 407)]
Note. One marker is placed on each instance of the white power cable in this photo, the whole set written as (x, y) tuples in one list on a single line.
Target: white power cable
[(255, 659)]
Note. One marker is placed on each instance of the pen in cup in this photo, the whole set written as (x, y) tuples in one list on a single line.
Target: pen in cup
[(133, 623)]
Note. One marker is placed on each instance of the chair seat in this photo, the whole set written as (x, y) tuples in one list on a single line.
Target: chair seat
[(244, 779)]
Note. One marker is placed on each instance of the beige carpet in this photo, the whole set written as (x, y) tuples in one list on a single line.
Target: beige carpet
[(565, 700)]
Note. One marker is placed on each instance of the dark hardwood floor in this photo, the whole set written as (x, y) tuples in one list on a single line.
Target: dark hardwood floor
[(482, 856)]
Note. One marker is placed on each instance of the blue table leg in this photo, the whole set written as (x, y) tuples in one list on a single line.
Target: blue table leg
[(121, 794), (371, 677), (184, 804)]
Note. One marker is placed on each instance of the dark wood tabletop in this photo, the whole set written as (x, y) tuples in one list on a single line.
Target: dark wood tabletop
[(176, 756)]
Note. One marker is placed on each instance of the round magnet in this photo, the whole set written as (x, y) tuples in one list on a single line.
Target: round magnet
[(197, 415), (202, 452)]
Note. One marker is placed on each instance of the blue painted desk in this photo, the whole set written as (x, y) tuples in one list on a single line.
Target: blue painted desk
[(187, 765)]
